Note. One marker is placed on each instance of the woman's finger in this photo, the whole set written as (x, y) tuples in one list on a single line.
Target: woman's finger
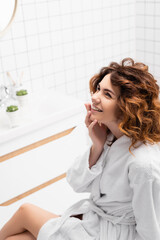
[(92, 124), (100, 124), (87, 119), (88, 106)]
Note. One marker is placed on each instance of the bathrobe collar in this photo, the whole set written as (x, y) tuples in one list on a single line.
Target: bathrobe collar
[(121, 140)]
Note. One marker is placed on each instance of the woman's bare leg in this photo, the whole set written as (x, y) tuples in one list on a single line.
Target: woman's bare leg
[(28, 217), (22, 236)]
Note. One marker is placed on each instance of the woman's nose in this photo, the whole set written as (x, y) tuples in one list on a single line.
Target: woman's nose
[(95, 98)]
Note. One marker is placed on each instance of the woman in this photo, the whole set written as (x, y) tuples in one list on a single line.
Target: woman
[(120, 167)]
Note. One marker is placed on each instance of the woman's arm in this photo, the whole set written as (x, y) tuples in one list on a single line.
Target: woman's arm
[(85, 168), (146, 201), (94, 155)]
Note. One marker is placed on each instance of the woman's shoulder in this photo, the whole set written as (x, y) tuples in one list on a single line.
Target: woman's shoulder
[(144, 150), (145, 164)]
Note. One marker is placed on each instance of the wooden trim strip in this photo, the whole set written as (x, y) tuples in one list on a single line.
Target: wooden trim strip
[(35, 145), (33, 190)]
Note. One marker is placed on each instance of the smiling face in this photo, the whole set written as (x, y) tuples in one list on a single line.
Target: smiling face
[(105, 99)]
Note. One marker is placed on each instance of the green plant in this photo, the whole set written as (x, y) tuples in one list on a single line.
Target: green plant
[(12, 108), (21, 92)]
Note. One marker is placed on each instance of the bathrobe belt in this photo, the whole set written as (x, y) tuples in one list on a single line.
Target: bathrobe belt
[(86, 205)]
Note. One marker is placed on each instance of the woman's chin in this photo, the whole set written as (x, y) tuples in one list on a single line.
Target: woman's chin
[(93, 118)]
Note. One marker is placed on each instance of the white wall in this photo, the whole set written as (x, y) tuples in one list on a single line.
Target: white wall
[(148, 34), (60, 44)]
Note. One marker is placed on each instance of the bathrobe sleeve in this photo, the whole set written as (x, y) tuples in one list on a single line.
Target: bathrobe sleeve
[(145, 182), (79, 175)]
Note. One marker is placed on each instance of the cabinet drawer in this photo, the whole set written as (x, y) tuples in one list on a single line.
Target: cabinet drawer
[(37, 166)]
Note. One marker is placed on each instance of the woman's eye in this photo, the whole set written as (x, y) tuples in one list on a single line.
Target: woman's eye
[(107, 94)]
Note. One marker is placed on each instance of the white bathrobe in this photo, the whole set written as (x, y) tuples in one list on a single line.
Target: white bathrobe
[(124, 201)]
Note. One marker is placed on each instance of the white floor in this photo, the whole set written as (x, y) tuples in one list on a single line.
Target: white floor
[(56, 198)]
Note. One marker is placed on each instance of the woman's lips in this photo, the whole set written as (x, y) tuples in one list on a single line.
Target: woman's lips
[(93, 111)]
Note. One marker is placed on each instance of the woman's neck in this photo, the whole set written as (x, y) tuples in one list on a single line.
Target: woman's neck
[(113, 127)]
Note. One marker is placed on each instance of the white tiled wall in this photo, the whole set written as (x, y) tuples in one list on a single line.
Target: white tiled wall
[(60, 44), (148, 34)]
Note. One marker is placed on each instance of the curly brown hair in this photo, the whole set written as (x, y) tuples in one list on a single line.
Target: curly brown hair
[(138, 103)]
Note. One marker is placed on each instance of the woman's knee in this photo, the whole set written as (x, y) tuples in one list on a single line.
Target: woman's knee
[(25, 210), (25, 207)]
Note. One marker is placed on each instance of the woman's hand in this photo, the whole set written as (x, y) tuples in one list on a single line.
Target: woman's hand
[(97, 131)]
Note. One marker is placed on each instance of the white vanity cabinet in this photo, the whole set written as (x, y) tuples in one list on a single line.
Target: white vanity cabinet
[(37, 176), (34, 167), (35, 153)]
